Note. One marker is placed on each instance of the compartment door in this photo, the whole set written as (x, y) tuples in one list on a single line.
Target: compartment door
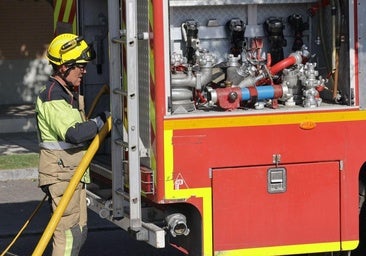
[(304, 209)]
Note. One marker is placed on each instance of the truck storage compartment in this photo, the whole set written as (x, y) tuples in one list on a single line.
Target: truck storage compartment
[(265, 206)]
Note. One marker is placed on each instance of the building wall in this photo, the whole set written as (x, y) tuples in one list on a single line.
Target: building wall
[(26, 27)]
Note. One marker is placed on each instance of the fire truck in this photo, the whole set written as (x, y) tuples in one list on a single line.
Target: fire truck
[(238, 125)]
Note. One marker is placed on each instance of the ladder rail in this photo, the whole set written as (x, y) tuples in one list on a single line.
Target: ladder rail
[(131, 96), (133, 115), (115, 68)]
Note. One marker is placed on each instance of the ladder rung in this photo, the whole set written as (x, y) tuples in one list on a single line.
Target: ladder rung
[(121, 143), (119, 40), (120, 91), (122, 193)]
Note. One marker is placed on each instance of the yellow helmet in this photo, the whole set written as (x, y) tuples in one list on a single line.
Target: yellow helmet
[(69, 49)]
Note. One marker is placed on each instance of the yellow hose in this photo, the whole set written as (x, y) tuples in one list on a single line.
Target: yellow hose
[(103, 90), (79, 172), (24, 227)]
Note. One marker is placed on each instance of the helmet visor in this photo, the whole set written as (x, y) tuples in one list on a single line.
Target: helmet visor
[(86, 55)]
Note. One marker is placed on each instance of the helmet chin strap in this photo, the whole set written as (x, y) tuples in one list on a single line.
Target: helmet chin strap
[(63, 76)]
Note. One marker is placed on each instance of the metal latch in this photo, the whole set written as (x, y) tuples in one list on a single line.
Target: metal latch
[(276, 180)]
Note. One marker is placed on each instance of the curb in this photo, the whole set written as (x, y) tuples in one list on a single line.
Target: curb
[(19, 174)]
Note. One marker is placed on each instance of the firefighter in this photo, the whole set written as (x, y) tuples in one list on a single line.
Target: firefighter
[(64, 134)]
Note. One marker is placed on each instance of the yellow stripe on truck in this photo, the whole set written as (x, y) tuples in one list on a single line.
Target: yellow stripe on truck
[(289, 249), (263, 119), (172, 194)]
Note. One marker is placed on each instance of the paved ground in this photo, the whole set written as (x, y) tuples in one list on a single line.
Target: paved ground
[(18, 199), (18, 143), (15, 139), (17, 118), (15, 111), (19, 196)]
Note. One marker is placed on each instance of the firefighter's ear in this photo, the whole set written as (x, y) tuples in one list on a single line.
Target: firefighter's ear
[(62, 68), (65, 68)]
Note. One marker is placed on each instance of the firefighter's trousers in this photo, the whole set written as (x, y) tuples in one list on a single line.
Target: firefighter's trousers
[(71, 231)]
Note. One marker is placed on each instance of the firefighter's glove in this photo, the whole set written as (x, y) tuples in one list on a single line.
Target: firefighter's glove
[(101, 119), (104, 115)]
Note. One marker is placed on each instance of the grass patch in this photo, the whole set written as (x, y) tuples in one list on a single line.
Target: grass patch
[(18, 161)]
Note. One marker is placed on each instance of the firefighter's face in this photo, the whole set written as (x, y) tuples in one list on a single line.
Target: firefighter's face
[(76, 74)]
